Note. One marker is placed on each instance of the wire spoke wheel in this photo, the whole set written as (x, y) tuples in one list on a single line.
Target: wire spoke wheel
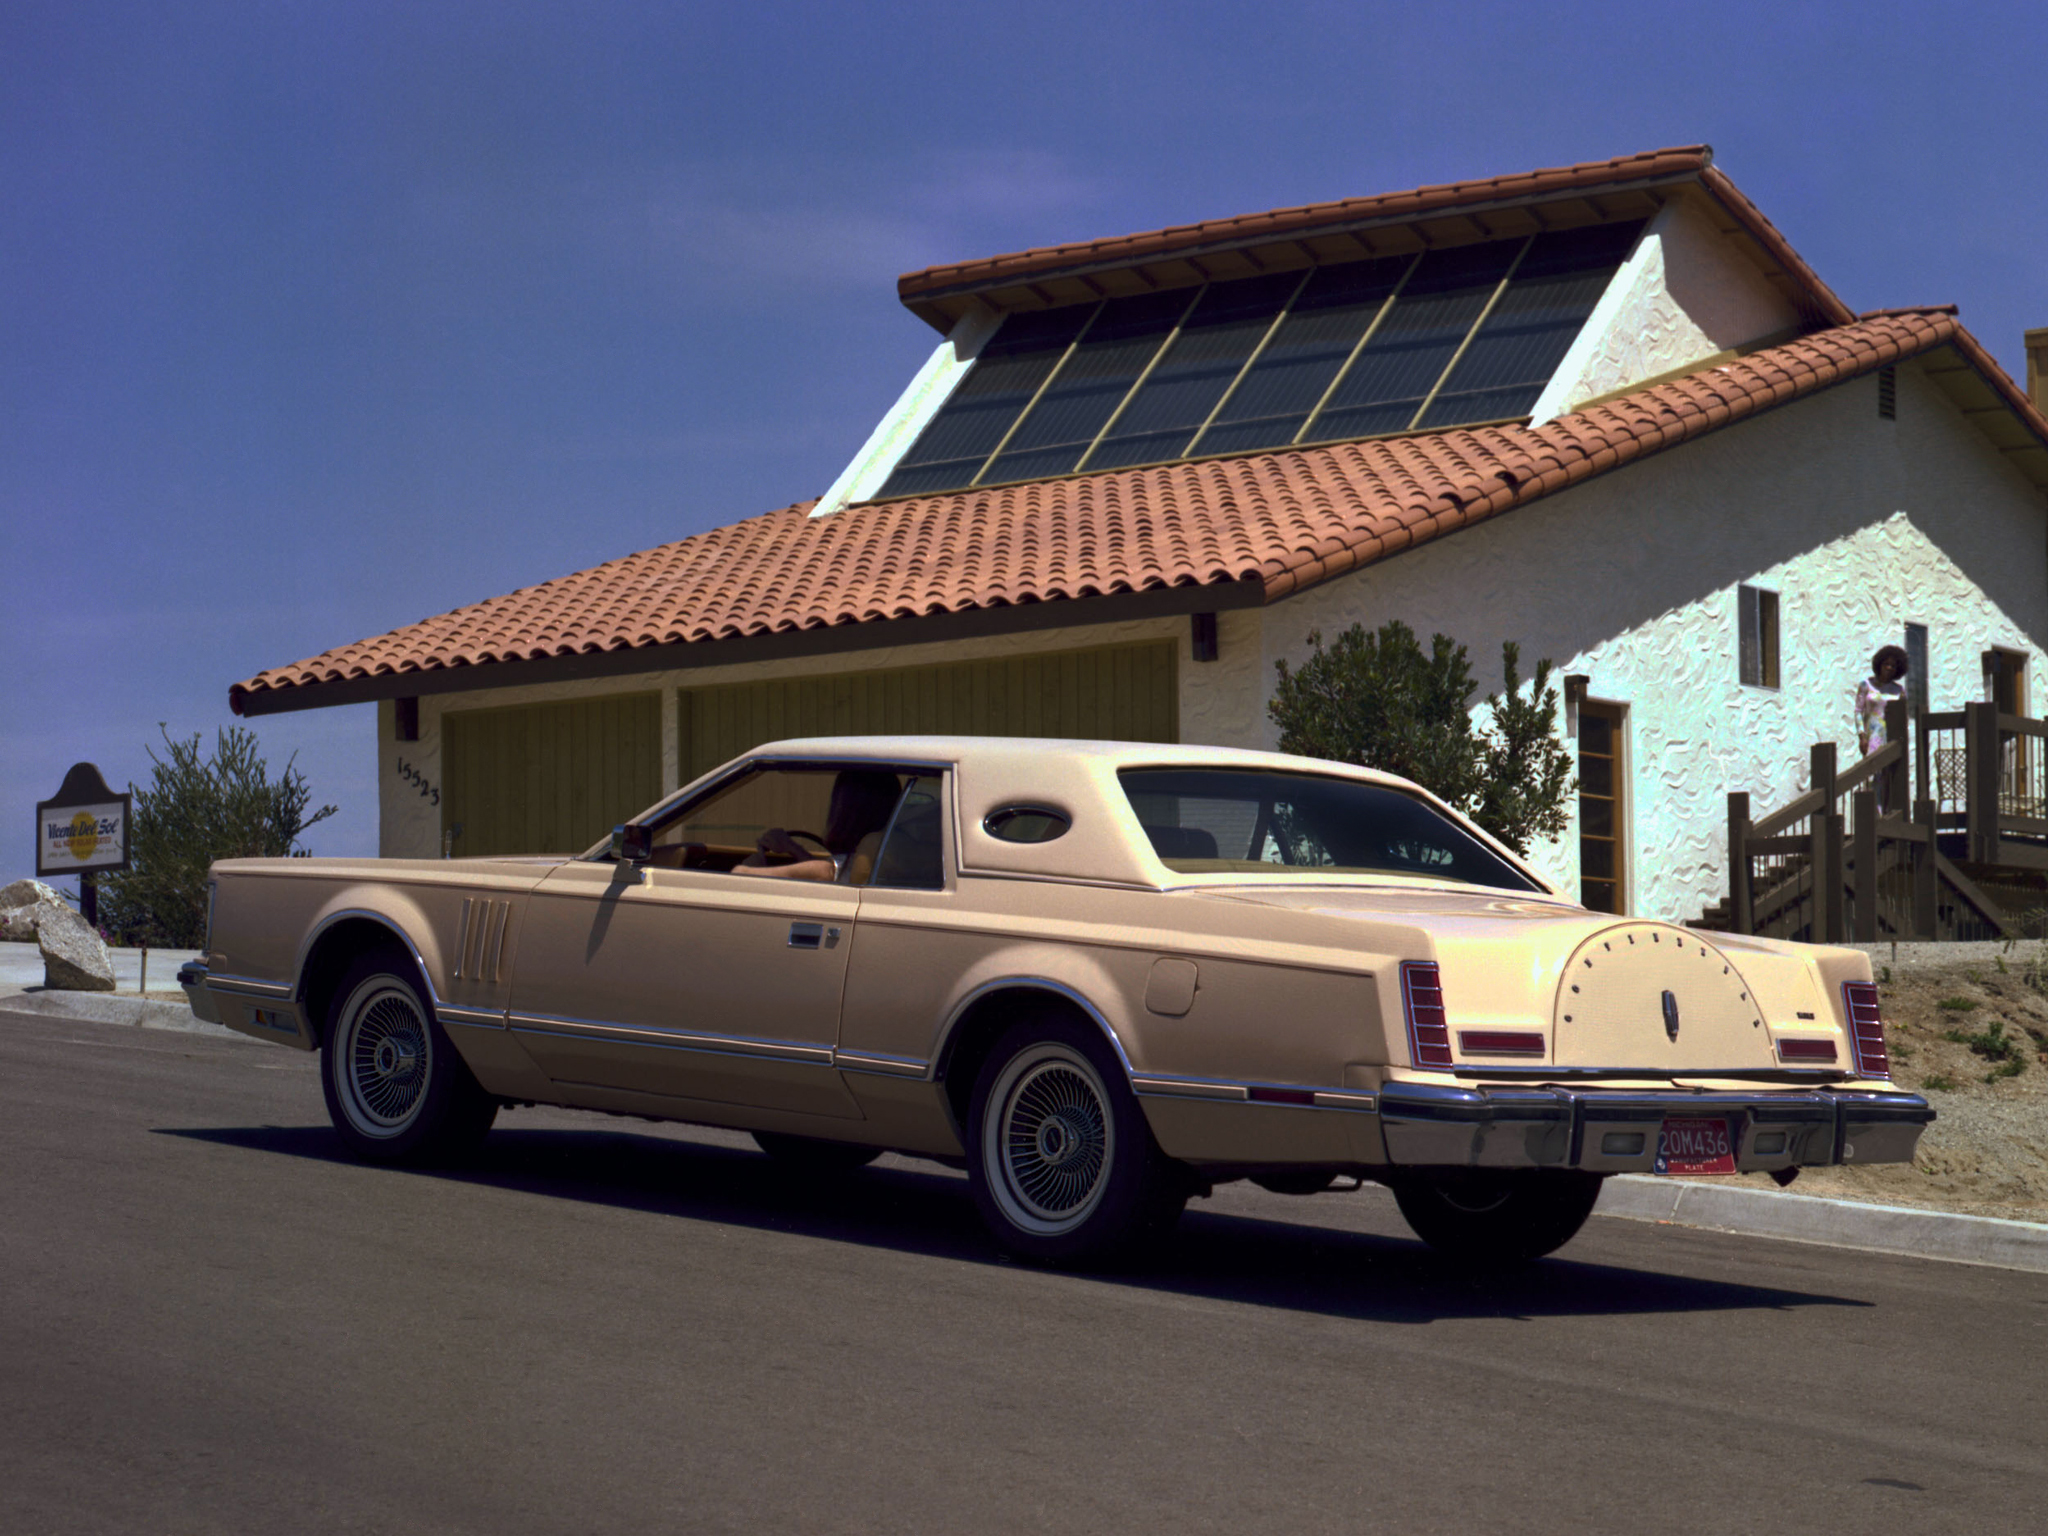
[(397, 1089), (1052, 1140), (383, 1058)]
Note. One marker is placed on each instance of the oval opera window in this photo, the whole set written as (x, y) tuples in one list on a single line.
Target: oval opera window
[(1025, 824)]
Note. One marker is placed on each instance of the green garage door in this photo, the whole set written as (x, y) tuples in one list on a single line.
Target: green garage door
[(1116, 693), (548, 778)]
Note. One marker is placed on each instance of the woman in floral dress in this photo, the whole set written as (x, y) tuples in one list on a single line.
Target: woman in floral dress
[(1887, 681)]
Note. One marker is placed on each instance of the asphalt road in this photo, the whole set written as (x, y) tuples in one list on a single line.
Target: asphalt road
[(211, 1321)]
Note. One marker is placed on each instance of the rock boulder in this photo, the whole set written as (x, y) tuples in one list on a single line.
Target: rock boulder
[(23, 905), (22, 893), (74, 958)]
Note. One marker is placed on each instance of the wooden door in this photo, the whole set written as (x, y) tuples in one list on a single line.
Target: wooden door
[(1603, 807)]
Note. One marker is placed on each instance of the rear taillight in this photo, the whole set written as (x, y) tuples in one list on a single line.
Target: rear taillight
[(1866, 1029), (1500, 1042), (1422, 997)]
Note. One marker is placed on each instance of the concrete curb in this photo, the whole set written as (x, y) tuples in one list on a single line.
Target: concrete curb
[(110, 1008), (1898, 1229)]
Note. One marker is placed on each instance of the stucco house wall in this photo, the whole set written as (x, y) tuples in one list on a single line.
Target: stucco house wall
[(1860, 524), (1681, 298)]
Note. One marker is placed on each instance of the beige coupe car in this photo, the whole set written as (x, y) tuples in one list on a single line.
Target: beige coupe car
[(1103, 976)]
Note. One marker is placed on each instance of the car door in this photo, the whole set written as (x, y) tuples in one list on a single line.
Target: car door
[(695, 982)]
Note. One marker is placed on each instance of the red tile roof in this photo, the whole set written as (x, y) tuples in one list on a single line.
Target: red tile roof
[(1693, 162), (1286, 520)]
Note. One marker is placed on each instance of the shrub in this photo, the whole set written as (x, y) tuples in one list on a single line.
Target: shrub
[(195, 810), (1376, 700)]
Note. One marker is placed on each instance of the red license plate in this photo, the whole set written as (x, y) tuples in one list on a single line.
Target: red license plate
[(1695, 1146)]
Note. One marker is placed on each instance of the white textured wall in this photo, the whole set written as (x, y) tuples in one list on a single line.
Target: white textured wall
[(920, 401), (408, 819), (1683, 295), (1861, 526)]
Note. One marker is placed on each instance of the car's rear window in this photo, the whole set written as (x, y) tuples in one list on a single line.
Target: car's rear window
[(1236, 821)]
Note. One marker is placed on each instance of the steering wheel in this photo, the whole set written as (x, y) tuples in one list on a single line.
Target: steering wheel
[(795, 835)]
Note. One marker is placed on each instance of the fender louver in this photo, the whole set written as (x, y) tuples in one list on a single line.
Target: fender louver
[(480, 938)]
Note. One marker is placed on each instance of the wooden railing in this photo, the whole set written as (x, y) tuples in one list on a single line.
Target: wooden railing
[(1812, 872)]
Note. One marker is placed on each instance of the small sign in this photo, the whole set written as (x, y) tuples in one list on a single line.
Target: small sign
[(84, 828)]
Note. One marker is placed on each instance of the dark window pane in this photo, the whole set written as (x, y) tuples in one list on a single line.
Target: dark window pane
[(1205, 820), (1598, 895), (1307, 351), (1596, 857), (1596, 734), (1596, 775), (1214, 342), (1519, 347), (1015, 361), (1406, 356), (1057, 431), (1596, 816), (915, 854)]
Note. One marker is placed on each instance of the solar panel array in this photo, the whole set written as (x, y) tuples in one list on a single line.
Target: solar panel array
[(1445, 338)]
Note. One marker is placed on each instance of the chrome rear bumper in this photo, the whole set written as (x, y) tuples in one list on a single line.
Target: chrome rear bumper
[(1615, 1130)]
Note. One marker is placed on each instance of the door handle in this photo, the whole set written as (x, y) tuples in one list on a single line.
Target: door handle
[(812, 936)]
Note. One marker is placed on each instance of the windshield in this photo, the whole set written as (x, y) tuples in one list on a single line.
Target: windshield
[(1234, 821)]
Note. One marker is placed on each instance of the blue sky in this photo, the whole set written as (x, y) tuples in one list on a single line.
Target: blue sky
[(319, 319)]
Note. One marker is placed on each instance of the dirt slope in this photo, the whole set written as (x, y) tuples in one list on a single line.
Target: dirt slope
[(1973, 1037)]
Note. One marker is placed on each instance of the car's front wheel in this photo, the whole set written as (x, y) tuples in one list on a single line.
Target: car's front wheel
[(396, 1089), (1064, 1168), (1496, 1215)]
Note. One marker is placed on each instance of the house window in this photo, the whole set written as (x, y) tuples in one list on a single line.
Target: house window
[(2005, 681), (1757, 616), (1445, 338)]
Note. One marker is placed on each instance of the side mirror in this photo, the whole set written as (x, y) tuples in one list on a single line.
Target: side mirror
[(632, 843)]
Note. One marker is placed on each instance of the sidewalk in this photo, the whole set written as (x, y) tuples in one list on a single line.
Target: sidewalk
[(165, 1006), (21, 970)]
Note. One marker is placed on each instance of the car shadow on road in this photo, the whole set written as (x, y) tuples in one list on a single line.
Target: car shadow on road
[(908, 1208)]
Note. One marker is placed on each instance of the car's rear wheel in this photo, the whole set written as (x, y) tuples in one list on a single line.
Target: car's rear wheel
[(811, 1154), (1063, 1167), (1497, 1215), (396, 1089)]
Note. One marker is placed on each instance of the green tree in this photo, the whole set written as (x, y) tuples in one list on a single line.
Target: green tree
[(198, 809), (1377, 700)]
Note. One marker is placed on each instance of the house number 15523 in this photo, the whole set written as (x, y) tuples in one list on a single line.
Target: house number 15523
[(412, 775)]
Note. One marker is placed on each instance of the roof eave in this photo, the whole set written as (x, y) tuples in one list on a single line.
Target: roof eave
[(1213, 596), (925, 300)]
